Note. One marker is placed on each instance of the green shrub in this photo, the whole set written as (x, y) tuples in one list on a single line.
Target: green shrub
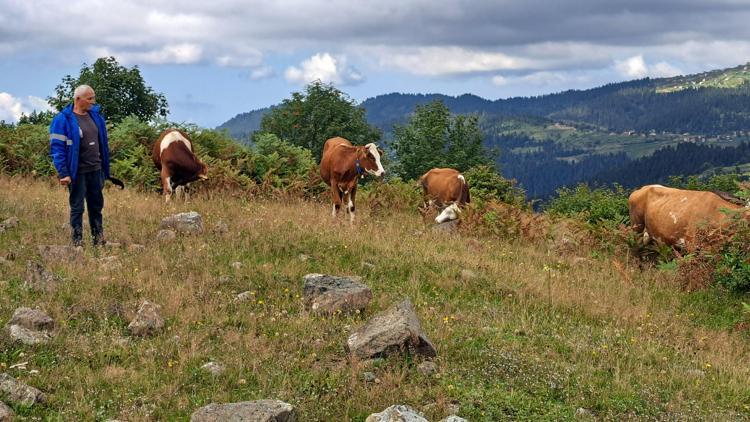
[(733, 260), (598, 207), (486, 184), (279, 163)]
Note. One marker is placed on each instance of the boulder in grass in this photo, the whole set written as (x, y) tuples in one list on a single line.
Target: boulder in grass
[(33, 319), (184, 222), (329, 294), (147, 321), (17, 392), (397, 413), (250, 411), (6, 413), (395, 330), (39, 279)]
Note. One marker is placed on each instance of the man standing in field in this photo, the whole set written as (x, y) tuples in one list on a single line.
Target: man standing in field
[(80, 151)]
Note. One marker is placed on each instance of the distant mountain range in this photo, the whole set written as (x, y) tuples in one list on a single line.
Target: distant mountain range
[(629, 120)]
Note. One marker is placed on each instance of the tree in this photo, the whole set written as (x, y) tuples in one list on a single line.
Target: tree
[(121, 92), (322, 112), (434, 138)]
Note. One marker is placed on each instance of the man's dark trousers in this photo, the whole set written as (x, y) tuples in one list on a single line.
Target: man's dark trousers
[(88, 186)]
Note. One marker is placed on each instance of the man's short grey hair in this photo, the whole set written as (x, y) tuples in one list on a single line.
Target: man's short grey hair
[(81, 90)]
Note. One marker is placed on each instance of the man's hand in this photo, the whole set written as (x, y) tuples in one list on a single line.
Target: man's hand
[(65, 181)]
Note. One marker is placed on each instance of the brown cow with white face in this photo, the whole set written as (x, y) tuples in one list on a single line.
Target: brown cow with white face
[(173, 156), (445, 187), (342, 165), (673, 216)]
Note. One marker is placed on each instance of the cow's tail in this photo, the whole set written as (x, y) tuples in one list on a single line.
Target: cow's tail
[(422, 183), (464, 198)]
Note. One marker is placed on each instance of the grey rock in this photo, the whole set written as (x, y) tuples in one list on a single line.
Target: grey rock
[(221, 227), (6, 413), (147, 321), (369, 377), (213, 368), (397, 413), (33, 319), (453, 418), (184, 222), (368, 265), (427, 368), (248, 411), (10, 223), (56, 253), (243, 297), (166, 235), (449, 226), (329, 294), (236, 265), (38, 278), (583, 413), (27, 336), (394, 330), (17, 392)]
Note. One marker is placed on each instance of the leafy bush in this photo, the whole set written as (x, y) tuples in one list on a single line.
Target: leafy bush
[(278, 162), (733, 259), (486, 184), (24, 150), (396, 195), (598, 207)]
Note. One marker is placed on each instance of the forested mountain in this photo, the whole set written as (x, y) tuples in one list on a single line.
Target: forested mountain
[(605, 134)]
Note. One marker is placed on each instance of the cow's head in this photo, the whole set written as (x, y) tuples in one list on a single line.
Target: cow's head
[(203, 173), (370, 160)]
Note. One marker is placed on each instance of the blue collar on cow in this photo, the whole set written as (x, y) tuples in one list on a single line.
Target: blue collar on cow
[(360, 171)]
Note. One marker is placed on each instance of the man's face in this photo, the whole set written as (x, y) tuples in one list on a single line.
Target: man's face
[(86, 100)]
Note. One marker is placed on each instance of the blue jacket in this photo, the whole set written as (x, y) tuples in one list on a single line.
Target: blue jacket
[(65, 141)]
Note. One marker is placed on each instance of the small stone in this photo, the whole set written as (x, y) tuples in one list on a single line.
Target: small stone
[(236, 265), (10, 223), (427, 368), (397, 413), (243, 297), (581, 412), (166, 236), (304, 257), (369, 377), (185, 222), (223, 279), (17, 392), (147, 321), (221, 227), (256, 411), (213, 368), (6, 413), (368, 265)]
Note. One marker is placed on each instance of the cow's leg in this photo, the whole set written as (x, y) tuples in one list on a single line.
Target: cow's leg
[(335, 197), (166, 184), (179, 192), (350, 204)]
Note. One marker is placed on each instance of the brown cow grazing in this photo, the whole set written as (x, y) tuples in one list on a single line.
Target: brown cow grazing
[(673, 216), (173, 155), (445, 187), (342, 165)]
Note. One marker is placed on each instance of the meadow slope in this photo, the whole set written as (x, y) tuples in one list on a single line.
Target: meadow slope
[(535, 335)]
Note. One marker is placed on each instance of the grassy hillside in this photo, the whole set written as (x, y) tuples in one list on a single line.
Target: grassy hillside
[(536, 335), (724, 78)]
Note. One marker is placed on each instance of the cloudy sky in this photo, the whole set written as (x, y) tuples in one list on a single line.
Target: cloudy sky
[(214, 59)]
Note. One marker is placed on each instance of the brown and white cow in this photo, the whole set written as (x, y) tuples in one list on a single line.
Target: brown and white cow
[(673, 216), (445, 187), (342, 165), (173, 156)]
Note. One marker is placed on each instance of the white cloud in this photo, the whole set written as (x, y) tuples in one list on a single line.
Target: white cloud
[(633, 67), (434, 61), (326, 68), (176, 54), (12, 107), (636, 67), (542, 79)]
